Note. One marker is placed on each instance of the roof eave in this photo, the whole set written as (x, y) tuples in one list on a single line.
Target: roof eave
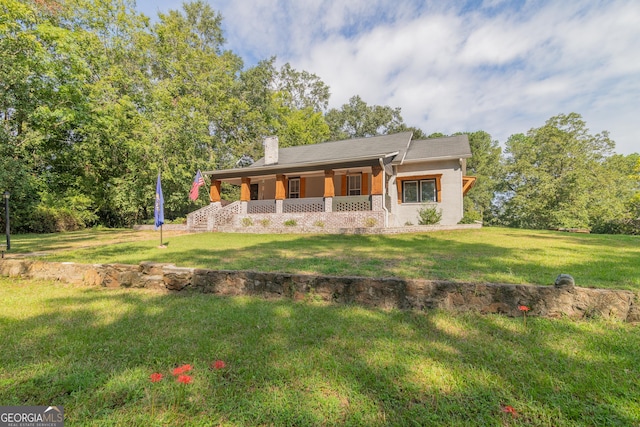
[(299, 167), (435, 159)]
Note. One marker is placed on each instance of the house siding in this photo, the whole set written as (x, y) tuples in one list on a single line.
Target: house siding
[(451, 193)]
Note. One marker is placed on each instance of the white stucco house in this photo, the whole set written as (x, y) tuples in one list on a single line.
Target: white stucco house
[(380, 181)]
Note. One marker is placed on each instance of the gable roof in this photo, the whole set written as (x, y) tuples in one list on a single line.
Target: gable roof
[(346, 149), (439, 148), (396, 149)]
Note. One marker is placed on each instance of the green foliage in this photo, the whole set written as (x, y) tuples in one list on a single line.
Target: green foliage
[(69, 213), (370, 222), (357, 120), (470, 217), (265, 222), (95, 100), (301, 90), (486, 166), (429, 215), (556, 176), (290, 223), (618, 226), (247, 222)]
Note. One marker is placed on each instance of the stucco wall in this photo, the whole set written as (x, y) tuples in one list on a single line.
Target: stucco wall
[(451, 193)]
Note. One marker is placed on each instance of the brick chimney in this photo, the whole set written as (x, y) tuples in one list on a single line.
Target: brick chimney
[(270, 144)]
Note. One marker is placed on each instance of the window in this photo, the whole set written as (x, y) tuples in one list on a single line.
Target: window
[(294, 188), (418, 191), (354, 185)]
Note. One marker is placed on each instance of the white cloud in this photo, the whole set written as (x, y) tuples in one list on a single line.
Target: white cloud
[(503, 67)]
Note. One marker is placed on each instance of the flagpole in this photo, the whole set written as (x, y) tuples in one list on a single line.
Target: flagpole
[(159, 209)]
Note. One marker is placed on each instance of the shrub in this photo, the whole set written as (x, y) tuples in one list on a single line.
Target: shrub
[(51, 220), (471, 218), (290, 223), (617, 226), (247, 222), (319, 224), (265, 222), (429, 215), (370, 222)]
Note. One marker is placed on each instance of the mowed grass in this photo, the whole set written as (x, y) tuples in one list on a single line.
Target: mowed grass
[(488, 255), (305, 363)]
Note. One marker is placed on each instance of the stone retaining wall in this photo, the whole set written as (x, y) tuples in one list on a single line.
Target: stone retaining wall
[(548, 301)]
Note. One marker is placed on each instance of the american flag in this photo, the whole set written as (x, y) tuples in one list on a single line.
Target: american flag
[(198, 182)]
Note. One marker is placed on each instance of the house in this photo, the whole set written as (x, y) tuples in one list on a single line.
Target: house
[(380, 181)]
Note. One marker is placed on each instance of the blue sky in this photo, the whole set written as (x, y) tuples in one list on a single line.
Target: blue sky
[(500, 66)]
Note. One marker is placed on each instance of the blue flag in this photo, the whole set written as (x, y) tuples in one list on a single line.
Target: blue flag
[(158, 211)]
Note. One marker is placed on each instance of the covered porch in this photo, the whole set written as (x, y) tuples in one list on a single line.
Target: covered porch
[(350, 194)]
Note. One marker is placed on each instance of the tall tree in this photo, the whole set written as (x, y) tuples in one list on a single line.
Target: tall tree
[(485, 165), (618, 211), (555, 175), (300, 89), (356, 119)]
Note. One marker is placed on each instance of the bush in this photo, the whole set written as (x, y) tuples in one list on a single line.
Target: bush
[(471, 216), (429, 215), (51, 220), (247, 222), (618, 226), (265, 222), (290, 223), (370, 222)]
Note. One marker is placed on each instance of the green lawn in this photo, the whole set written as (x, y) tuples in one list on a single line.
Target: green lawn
[(305, 363), (497, 255)]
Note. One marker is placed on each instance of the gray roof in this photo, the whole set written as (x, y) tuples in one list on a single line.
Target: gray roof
[(342, 150), (439, 148), (396, 148)]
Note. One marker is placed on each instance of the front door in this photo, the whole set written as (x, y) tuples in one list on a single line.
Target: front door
[(253, 191)]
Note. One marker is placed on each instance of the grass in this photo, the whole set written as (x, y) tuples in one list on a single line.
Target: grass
[(489, 255), (305, 363)]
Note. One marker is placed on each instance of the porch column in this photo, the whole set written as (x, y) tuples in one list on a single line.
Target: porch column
[(245, 194), (281, 192), (329, 190), (377, 197), (214, 191), (376, 180)]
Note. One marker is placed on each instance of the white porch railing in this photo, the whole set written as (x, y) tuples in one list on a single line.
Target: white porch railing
[(226, 215), (198, 219)]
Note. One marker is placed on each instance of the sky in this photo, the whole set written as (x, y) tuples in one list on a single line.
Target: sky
[(500, 66)]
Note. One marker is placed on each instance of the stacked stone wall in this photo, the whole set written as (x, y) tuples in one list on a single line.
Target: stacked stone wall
[(560, 300)]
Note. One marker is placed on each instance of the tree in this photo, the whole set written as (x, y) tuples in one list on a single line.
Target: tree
[(618, 212), (556, 174), (356, 120), (485, 165), (300, 89)]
